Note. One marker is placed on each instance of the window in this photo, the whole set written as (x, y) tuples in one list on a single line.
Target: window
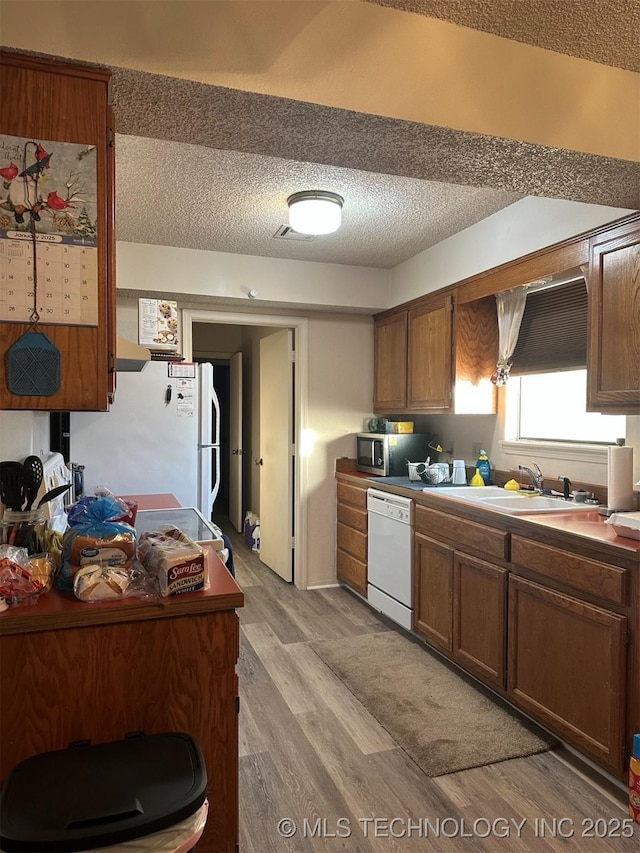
[(552, 407)]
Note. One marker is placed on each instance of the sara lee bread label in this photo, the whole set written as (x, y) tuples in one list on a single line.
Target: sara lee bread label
[(175, 560)]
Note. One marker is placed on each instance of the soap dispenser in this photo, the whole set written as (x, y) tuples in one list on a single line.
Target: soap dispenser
[(483, 466)]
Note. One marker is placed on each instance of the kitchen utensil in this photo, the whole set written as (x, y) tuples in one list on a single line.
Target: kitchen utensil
[(32, 474), (11, 485), (53, 493)]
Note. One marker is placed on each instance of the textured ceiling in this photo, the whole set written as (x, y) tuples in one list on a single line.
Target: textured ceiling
[(207, 167), (605, 31), (206, 198)]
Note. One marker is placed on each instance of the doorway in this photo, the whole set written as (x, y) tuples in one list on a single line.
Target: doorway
[(299, 325)]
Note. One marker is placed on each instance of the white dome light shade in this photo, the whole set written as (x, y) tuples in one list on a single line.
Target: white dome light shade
[(315, 212)]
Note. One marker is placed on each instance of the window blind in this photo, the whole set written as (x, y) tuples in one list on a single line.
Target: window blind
[(553, 332)]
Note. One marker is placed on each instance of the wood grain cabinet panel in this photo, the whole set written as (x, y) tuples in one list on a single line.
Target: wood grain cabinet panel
[(390, 363), (353, 495), (567, 668), (614, 321), (479, 617), (353, 517), (463, 534), (609, 583), (351, 571), (351, 536), (429, 369), (45, 99), (100, 682), (476, 349), (352, 541), (433, 591)]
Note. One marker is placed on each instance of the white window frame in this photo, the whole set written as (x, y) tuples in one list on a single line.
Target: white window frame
[(566, 451)]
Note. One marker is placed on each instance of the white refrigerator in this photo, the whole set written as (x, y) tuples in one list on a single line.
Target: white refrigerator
[(162, 434)]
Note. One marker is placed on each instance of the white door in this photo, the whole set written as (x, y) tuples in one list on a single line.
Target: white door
[(235, 441), (276, 452), (208, 441)]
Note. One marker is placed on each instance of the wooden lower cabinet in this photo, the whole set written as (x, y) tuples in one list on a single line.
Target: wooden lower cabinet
[(479, 617), (351, 536), (567, 668), (98, 682), (433, 591)]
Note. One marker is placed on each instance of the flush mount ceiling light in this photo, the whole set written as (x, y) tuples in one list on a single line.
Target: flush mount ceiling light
[(315, 212)]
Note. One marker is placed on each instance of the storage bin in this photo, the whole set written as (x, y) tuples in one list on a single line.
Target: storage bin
[(91, 796)]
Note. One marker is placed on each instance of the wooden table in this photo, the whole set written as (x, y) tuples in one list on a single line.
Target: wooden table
[(74, 671)]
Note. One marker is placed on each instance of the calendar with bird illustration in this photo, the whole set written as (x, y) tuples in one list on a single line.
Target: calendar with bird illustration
[(48, 231)]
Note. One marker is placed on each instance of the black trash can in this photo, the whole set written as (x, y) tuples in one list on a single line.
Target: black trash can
[(96, 795)]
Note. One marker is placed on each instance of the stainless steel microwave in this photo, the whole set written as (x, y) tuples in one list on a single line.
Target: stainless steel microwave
[(387, 454)]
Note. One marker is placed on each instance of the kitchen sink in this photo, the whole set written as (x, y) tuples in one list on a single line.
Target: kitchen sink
[(513, 503), (526, 504)]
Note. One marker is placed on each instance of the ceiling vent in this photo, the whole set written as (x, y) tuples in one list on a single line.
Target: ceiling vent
[(286, 232)]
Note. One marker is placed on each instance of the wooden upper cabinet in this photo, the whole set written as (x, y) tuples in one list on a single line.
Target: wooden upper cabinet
[(437, 357), (476, 348), (390, 363), (58, 102), (613, 358), (429, 363)]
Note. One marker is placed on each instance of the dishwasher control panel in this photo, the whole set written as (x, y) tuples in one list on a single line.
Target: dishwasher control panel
[(391, 506)]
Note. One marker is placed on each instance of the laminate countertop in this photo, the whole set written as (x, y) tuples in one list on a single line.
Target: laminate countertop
[(562, 528)]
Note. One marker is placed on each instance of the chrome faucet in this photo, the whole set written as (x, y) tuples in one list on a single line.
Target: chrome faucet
[(536, 478)]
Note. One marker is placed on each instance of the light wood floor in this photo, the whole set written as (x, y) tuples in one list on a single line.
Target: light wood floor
[(310, 753)]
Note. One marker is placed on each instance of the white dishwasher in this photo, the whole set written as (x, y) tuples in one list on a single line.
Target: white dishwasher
[(389, 555)]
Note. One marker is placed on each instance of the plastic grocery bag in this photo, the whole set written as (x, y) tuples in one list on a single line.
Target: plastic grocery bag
[(95, 538)]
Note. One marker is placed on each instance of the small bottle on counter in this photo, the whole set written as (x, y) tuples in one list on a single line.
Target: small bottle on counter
[(484, 467)]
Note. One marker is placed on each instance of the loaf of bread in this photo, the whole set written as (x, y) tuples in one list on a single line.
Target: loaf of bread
[(100, 583), (175, 560)]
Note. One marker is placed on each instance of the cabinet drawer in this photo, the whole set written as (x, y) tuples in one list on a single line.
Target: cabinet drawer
[(352, 541), (462, 534), (351, 571), (609, 583), (352, 517), (354, 495)]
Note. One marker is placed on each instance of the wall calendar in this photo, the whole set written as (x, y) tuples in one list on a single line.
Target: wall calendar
[(48, 232)]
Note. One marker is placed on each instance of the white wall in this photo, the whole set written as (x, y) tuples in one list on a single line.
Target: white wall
[(340, 395), (219, 274), (23, 434), (523, 227)]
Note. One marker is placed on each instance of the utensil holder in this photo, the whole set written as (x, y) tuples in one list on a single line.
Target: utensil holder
[(24, 529)]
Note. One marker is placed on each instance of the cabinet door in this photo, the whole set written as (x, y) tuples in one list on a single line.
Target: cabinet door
[(432, 592), (390, 363), (429, 355), (46, 100), (566, 667), (479, 623), (614, 322)]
